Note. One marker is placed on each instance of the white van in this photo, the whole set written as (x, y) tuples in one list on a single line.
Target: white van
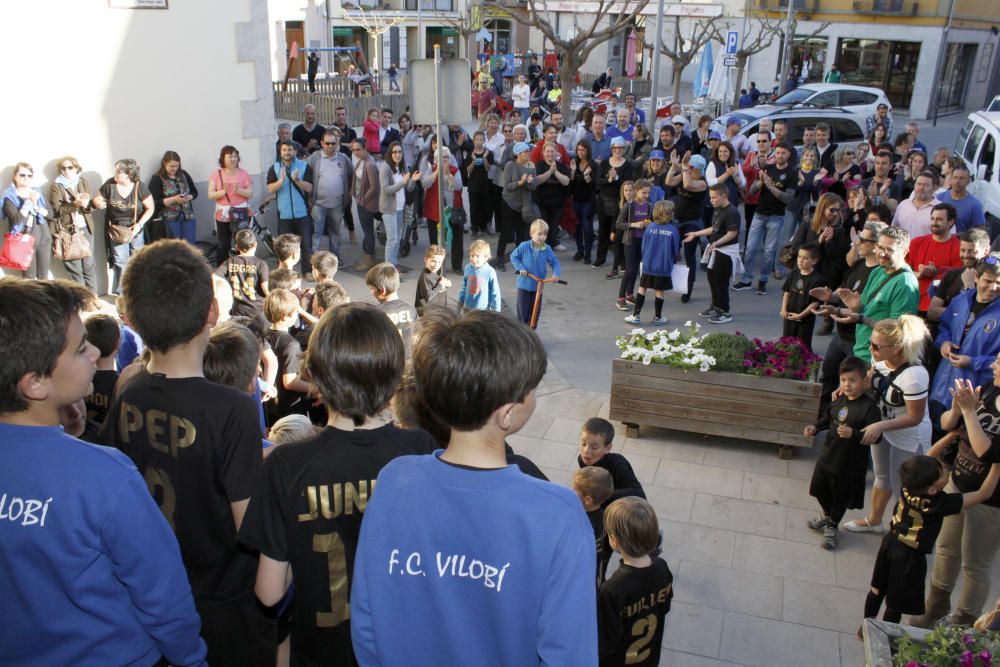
[(977, 145)]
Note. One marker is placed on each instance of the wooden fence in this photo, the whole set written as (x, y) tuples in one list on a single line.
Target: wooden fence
[(341, 86), (640, 87), (289, 105)]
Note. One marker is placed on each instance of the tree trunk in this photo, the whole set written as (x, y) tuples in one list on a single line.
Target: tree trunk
[(741, 61), (567, 81), (677, 73)]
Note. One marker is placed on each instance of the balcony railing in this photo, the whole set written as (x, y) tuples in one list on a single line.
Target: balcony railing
[(890, 7)]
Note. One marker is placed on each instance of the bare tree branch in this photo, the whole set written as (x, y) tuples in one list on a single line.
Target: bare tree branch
[(681, 56), (574, 51)]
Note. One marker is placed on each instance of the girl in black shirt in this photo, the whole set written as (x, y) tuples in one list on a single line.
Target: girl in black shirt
[(583, 189), (477, 166)]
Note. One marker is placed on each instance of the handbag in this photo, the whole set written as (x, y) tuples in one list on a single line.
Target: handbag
[(120, 235), (679, 279), (786, 256), (237, 214), (18, 251), (69, 246)]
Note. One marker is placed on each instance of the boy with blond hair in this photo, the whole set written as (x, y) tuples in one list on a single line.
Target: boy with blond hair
[(281, 309), (533, 257), (480, 287)]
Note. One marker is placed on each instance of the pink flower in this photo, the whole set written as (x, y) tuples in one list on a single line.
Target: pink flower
[(768, 372), (967, 659)]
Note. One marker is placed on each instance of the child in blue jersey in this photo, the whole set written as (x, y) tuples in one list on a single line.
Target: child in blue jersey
[(480, 287), (660, 244), (532, 257), (91, 574), (463, 530)]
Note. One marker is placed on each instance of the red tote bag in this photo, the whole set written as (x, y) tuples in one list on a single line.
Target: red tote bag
[(18, 252)]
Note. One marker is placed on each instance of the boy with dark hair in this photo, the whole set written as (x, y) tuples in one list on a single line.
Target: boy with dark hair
[(901, 565), (324, 265), (432, 286), (197, 444), (633, 603), (281, 310), (284, 279), (104, 334), (797, 305), (329, 295), (232, 357), (383, 280), (91, 573), (288, 250), (838, 480), (247, 273), (308, 504), (596, 438), (420, 557), (594, 486)]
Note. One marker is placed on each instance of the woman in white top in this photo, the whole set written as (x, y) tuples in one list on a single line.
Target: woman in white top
[(901, 386), (520, 95)]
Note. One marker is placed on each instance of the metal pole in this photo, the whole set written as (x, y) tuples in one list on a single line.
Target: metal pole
[(440, 145), (787, 55), (941, 61), (420, 31), (654, 88)]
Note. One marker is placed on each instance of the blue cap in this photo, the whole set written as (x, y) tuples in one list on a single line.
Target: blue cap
[(698, 162), (618, 141), (714, 135), (520, 147), (733, 120), (656, 155)]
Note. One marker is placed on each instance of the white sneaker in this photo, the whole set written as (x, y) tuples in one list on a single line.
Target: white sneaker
[(862, 526), (634, 319), (559, 247), (658, 321)]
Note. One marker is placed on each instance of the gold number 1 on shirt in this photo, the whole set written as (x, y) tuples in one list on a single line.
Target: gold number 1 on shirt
[(638, 651), (340, 611)]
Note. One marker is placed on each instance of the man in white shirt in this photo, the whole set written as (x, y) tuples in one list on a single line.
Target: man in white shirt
[(914, 214)]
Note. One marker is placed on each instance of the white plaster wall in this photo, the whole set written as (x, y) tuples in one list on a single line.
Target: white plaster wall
[(111, 84)]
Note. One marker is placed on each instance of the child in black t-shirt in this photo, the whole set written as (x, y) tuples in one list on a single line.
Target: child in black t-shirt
[(838, 480), (432, 286), (901, 564), (596, 438), (633, 603), (281, 310), (197, 444), (288, 250), (248, 275), (104, 334), (594, 487), (383, 280), (308, 504), (797, 304)]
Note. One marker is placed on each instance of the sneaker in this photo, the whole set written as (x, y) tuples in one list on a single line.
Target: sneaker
[(819, 523), (630, 299), (634, 319), (742, 285), (762, 288), (577, 257), (659, 321), (830, 538), (720, 318), (597, 265), (560, 247), (685, 298), (620, 303), (708, 312)]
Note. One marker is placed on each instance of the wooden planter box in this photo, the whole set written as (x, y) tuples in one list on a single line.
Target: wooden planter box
[(881, 636), (731, 405)]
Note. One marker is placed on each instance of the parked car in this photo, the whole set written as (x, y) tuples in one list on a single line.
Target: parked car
[(977, 145), (861, 100), (845, 126)]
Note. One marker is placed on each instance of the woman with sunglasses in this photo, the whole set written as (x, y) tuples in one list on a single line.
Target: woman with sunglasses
[(900, 383), (845, 173), (969, 541), (72, 208), (26, 211), (827, 230)]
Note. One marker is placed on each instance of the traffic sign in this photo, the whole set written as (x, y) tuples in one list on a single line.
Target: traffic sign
[(729, 61), (732, 42)]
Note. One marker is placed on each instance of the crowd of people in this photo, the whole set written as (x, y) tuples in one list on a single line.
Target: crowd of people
[(250, 414)]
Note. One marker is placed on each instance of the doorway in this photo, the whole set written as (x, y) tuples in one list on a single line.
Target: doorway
[(903, 58), (294, 32)]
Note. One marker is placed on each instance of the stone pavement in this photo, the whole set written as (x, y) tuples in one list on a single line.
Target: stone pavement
[(752, 584)]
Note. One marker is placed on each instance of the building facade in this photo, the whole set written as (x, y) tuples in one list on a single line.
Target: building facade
[(922, 53)]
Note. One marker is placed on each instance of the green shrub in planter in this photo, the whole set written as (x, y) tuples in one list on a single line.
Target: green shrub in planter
[(728, 350)]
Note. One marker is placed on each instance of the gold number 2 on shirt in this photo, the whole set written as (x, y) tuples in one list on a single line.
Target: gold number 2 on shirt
[(340, 611), (158, 479), (638, 651)]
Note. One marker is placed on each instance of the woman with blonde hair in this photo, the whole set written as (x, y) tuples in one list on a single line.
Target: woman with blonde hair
[(901, 385)]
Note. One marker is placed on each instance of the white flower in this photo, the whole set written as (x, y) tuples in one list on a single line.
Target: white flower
[(688, 324)]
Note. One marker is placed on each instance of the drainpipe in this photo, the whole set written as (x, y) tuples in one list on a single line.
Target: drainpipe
[(941, 60)]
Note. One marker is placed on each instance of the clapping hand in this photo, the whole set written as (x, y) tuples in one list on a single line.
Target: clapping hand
[(964, 396)]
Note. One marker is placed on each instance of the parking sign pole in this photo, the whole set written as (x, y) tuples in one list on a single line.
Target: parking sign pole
[(655, 87)]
